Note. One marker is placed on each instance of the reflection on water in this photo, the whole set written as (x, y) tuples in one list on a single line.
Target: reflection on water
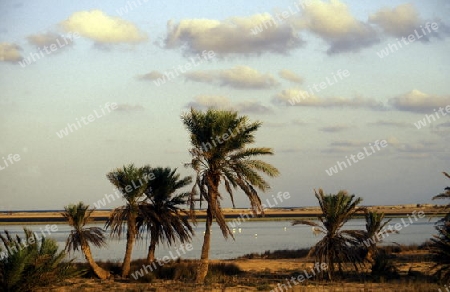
[(250, 237)]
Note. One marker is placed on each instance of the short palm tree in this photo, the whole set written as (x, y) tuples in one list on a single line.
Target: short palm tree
[(337, 246), (81, 237), (132, 183), (219, 153), (375, 228), (160, 215), (31, 262)]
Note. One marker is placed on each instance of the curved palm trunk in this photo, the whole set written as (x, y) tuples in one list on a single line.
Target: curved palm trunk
[(99, 271), (202, 269), (131, 235), (151, 249)]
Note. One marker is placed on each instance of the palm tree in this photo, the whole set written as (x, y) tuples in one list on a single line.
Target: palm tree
[(337, 246), (31, 262), (78, 216), (160, 214), (375, 232), (440, 246), (219, 154), (375, 228), (132, 183)]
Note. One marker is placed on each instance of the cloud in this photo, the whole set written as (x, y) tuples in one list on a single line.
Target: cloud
[(41, 40), (443, 125), (290, 76), (103, 29), (334, 129), (231, 36), (300, 97), (344, 146), (404, 20), (419, 102), (207, 101), (200, 76), (222, 102), (240, 77), (383, 123), (399, 21), (333, 22), (252, 107), (9, 52), (125, 107), (151, 76)]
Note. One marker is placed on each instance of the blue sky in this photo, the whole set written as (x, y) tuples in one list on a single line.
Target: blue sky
[(121, 48)]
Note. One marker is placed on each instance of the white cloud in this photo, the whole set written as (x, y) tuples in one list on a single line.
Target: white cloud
[(231, 36), (333, 22), (299, 97), (240, 77), (153, 75), (103, 29), (417, 101), (399, 21), (41, 40), (290, 76), (222, 102), (125, 107), (9, 52)]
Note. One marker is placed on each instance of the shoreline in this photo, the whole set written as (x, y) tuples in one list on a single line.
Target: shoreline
[(391, 211)]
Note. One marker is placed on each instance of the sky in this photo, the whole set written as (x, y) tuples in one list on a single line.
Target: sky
[(89, 86)]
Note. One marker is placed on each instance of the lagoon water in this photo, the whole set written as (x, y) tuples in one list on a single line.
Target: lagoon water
[(254, 237)]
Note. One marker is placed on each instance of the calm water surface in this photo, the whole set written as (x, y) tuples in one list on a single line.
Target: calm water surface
[(252, 237)]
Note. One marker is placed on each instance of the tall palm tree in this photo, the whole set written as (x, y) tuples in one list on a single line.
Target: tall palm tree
[(337, 246), (440, 246), (132, 183), (78, 216), (219, 153), (160, 214)]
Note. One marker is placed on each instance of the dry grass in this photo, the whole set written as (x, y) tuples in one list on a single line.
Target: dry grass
[(263, 273)]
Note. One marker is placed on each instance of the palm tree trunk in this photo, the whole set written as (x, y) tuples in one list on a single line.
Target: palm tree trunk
[(131, 235), (151, 249), (202, 269), (99, 271)]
